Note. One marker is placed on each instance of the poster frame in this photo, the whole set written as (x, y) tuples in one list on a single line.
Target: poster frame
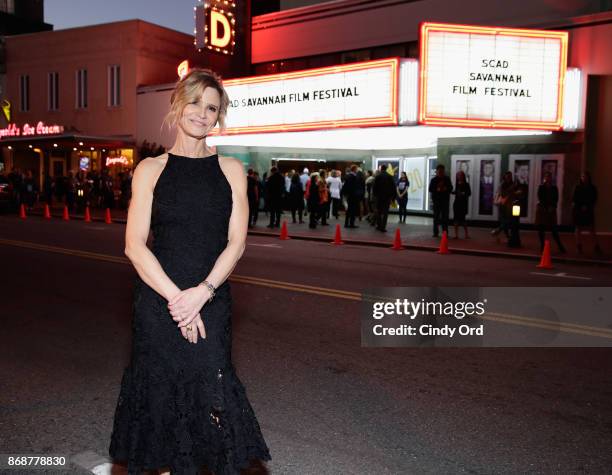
[(533, 189)]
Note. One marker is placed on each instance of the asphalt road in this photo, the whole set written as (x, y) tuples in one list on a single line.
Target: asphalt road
[(326, 405)]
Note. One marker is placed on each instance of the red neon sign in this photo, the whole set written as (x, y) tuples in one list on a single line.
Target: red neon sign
[(451, 119), (390, 119), (116, 160), (27, 130)]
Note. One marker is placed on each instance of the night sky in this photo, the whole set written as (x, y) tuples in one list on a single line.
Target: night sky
[(175, 14)]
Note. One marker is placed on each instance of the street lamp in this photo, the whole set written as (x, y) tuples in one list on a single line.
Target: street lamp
[(515, 238)]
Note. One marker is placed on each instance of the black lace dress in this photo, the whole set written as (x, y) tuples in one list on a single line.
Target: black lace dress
[(181, 405)]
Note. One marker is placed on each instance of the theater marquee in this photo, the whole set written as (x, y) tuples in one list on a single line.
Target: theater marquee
[(353, 95), (491, 77)]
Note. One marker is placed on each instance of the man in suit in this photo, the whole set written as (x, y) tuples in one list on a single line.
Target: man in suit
[(275, 186), (440, 188), (349, 189), (384, 191), (253, 197)]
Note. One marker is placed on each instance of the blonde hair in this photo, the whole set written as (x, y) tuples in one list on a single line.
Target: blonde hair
[(189, 89)]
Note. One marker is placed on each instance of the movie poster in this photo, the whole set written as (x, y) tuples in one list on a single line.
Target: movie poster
[(486, 184), (465, 164), (482, 172), (521, 170), (416, 171)]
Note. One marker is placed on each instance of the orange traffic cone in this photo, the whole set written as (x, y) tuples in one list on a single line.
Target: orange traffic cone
[(107, 216), (284, 234), (444, 244), (338, 237), (397, 242), (47, 212), (87, 215), (545, 261), (22, 213), (66, 216)]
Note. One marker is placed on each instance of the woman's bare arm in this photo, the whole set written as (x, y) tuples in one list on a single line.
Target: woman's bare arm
[(137, 230)]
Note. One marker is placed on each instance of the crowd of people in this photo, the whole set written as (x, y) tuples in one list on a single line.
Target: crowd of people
[(75, 190), (323, 194), (511, 192)]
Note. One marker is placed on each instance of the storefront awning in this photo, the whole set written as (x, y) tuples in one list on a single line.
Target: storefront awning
[(69, 140), (366, 138)]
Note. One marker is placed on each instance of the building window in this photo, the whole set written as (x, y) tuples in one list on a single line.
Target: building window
[(53, 83), (24, 92), (114, 85), (81, 89), (7, 6)]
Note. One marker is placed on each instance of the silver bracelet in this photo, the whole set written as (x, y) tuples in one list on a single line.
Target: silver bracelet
[(210, 287)]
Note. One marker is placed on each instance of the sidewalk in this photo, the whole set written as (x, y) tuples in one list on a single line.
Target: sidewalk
[(416, 233)]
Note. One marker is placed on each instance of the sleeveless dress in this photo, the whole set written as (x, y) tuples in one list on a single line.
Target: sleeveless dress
[(181, 405)]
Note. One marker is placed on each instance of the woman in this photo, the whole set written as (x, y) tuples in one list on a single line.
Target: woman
[(29, 186), (323, 198), (313, 200), (546, 211), (335, 188), (402, 196), (370, 198), (70, 189), (462, 194), (181, 405), (583, 207), (504, 199), (296, 197)]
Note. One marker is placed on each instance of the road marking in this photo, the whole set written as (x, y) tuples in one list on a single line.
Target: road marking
[(336, 293), (548, 325), (264, 245), (563, 275), (63, 250), (342, 294), (308, 289)]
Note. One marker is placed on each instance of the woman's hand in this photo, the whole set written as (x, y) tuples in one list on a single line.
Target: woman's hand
[(186, 305), (197, 326)]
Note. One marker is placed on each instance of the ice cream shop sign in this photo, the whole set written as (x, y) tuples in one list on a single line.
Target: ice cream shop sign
[(27, 130)]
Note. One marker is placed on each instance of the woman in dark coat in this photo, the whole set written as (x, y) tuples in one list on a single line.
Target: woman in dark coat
[(583, 210), (546, 211), (462, 194), (30, 189), (313, 200), (296, 197)]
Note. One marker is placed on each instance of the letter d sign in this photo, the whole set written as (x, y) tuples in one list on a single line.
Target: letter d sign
[(215, 26), (218, 24)]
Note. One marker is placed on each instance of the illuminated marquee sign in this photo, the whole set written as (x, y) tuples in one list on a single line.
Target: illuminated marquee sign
[(182, 69), (215, 22), (491, 77), (353, 95), (27, 130)]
